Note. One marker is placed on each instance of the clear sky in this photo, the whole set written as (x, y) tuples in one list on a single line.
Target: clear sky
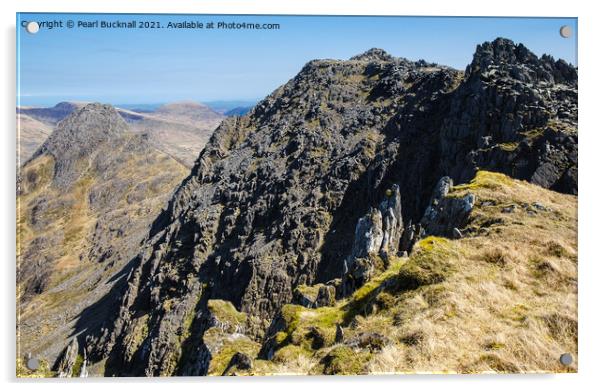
[(138, 66)]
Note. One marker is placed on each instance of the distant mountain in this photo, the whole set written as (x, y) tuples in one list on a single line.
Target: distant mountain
[(85, 201), (51, 115), (31, 133), (223, 106), (140, 107), (187, 111), (371, 215), (238, 111), (179, 129)]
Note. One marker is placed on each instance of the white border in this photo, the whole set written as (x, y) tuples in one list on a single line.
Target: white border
[(590, 218)]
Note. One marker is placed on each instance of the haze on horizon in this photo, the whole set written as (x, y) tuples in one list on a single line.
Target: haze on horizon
[(153, 66)]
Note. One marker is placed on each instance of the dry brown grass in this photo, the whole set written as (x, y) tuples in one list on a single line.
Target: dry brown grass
[(510, 304), (72, 272)]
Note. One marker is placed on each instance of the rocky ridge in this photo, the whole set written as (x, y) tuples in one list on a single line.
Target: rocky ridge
[(324, 181), (179, 129), (85, 200)]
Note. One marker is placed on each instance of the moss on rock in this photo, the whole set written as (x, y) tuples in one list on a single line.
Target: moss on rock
[(429, 264), (231, 346), (343, 360), (225, 312), (487, 180)]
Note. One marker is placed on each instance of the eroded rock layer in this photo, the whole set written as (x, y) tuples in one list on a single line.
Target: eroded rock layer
[(273, 201)]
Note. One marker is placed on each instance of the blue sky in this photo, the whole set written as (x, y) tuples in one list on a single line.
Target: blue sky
[(139, 66)]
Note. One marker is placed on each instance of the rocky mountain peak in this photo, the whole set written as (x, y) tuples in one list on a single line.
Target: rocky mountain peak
[(374, 54), (503, 55), (503, 50), (85, 204), (323, 178), (68, 107), (85, 127), (78, 135)]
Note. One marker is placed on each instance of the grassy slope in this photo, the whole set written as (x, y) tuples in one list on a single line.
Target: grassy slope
[(44, 318), (501, 299), (31, 134)]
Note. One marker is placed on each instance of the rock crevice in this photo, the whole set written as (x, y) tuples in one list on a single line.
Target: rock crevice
[(284, 196)]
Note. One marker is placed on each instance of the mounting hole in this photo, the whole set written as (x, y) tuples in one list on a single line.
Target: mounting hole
[(566, 31), (566, 359), (33, 364), (32, 27)]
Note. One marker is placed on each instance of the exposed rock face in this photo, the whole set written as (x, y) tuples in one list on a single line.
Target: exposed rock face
[(318, 295), (223, 327), (390, 209), (77, 136), (445, 215), (282, 196), (66, 363), (238, 361), (376, 234), (85, 202), (368, 236), (514, 113)]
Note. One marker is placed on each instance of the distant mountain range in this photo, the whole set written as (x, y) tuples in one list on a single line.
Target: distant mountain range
[(238, 111), (85, 200), (179, 129), (220, 106), (225, 106), (371, 215)]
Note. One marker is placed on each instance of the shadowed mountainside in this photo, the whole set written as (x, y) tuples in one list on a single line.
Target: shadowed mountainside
[(368, 216), (85, 201), (291, 195), (179, 129)]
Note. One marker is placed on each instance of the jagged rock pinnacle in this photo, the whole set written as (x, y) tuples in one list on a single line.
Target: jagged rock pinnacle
[(520, 62), (374, 54), (79, 135), (274, 198)]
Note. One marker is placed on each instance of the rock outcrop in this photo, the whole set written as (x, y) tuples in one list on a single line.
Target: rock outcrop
[(445, 215), (66, 364), (377, 235), (390, 209), (514, 113), (315, 296), (368, 236), (281, 197), (85, 201)]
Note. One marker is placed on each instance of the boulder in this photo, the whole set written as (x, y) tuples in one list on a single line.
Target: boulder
[(239, 361), (392, 221), (445, 215)]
